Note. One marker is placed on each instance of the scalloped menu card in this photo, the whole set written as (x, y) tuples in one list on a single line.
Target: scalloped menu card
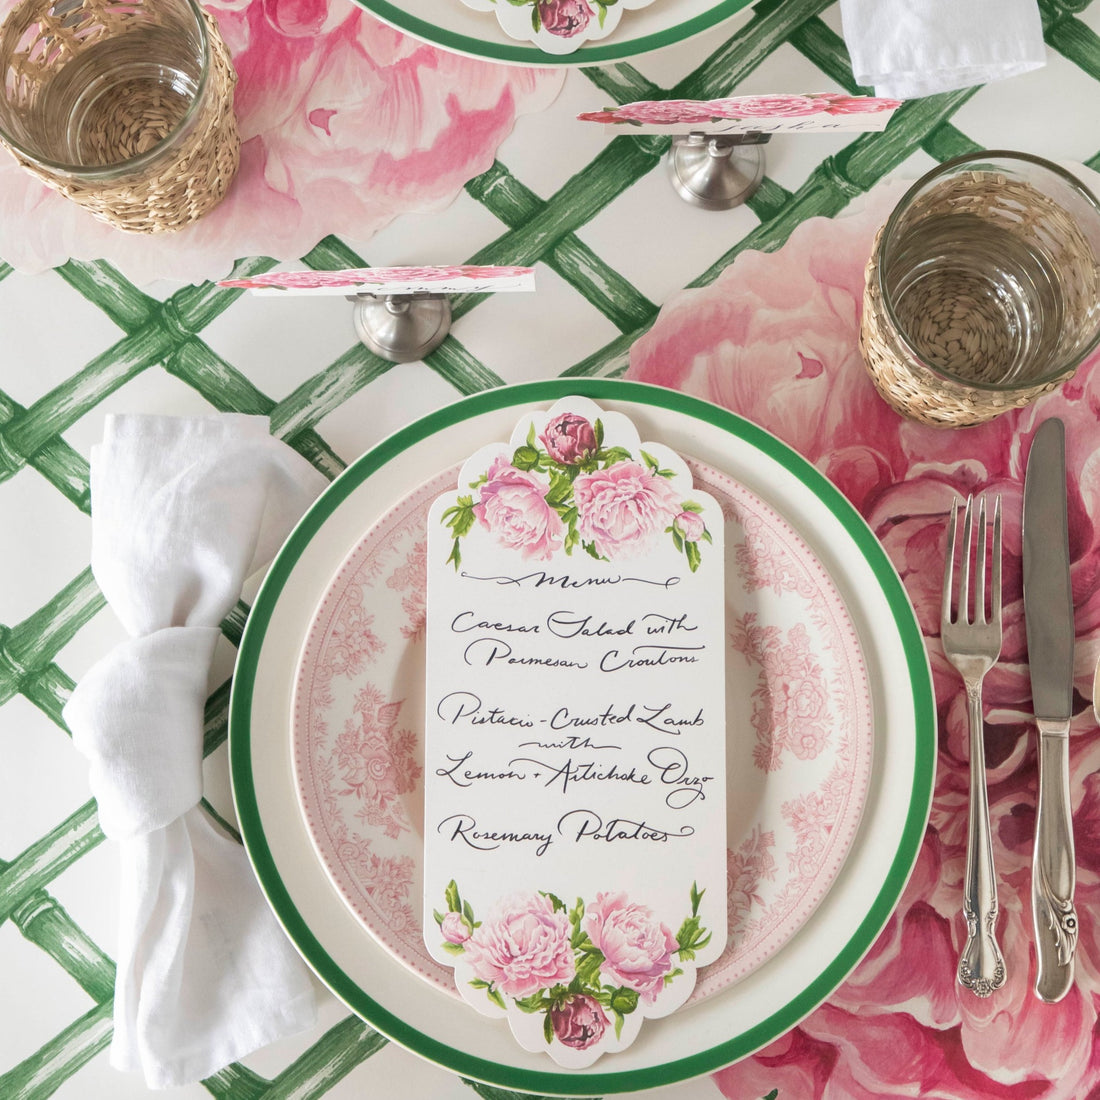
[(574, 795)]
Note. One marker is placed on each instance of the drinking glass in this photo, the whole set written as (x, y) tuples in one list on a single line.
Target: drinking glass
[(126, 107), (983, 288)]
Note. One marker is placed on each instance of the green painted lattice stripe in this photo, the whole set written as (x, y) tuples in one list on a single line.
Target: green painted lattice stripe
[(168, 335)]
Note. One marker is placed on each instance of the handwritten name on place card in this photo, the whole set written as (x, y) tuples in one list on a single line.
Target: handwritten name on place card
[(575, 849)]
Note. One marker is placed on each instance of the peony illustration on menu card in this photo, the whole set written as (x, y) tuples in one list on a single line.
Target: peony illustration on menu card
[(574, 796), (557, 26)]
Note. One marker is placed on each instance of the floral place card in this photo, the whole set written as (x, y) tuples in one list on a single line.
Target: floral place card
[(766, 114), (557, 26), (574, 766), (384, 281)]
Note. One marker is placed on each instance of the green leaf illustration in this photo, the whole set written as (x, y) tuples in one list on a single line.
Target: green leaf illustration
[(452, 898), (691, 549), (526, 458)]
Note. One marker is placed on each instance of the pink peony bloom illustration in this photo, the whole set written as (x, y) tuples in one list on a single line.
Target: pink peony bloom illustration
[(690, 525), (658, 112), (578, 1021), (858, 105), (455, 928), (569, 439), (622, 508), (637, 948), (766, 106), (513, 507), (523, 946), (564, 18)]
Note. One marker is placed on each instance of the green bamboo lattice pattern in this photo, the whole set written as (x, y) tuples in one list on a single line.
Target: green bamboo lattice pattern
[(168, 335)]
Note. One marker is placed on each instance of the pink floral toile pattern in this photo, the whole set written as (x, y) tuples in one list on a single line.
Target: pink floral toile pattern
[(791, 704), (774, 338), (345, 124), (376, 761)]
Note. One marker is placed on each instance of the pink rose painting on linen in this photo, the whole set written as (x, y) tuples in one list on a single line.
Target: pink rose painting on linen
[(345, 124), (774, 338), (576, 492)]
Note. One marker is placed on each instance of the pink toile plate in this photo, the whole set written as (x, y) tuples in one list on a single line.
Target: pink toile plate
[(799, 730)]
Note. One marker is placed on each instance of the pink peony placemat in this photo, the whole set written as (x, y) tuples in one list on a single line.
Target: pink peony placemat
[(345, 124), (774, 338)]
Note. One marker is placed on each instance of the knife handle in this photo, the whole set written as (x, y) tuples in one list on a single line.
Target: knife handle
[(1053, 873)]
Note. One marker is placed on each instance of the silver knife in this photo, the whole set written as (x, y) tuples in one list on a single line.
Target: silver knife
[(1048, 611)]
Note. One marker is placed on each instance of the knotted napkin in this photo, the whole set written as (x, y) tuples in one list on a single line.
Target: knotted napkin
[(912, 48), (183, 511)]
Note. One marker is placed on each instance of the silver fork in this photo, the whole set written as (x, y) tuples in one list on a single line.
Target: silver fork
[(972, 643)]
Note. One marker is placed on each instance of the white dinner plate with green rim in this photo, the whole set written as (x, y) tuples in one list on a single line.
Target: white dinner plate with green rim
[(455, 27), (725, 1027)]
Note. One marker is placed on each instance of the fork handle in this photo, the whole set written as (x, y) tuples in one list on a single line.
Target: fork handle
[(1052, 871), (981, 965)]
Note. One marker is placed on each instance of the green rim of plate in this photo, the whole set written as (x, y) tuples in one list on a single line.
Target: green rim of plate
[(461, 1062), (596, 54)]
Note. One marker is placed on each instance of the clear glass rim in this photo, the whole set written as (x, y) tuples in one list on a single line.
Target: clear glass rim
[(886, 241), (142, 160)]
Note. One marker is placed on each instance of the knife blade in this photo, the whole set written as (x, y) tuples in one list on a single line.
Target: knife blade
[(1048, 615)]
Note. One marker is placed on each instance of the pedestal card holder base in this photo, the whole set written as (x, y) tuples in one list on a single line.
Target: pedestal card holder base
[(717, 171), (401, 313), (402, 328), (716, 161)]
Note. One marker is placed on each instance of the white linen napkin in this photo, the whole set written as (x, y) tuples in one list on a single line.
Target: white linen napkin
[(183, 511), (912, 48)]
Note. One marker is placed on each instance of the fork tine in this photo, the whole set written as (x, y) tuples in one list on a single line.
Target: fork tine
[(949, 567), (996, 595), (983, 544), (964, 579)]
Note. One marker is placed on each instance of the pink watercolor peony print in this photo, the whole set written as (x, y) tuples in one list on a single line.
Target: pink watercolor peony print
[(512, 505), (774, 338), (577, 492), (622, 510), (522, 946), (569, 439), (564, 18), (345, 125), (578, 1021), (637, 948), (583, 968)]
